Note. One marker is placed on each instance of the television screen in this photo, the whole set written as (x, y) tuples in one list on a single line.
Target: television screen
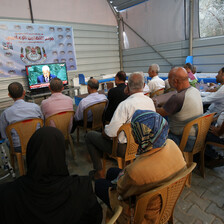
[(40, 75)]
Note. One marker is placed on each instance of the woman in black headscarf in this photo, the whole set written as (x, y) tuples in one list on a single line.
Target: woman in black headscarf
[(47, 194)]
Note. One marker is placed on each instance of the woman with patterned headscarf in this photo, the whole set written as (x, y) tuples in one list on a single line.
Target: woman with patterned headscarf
[(158, 160)]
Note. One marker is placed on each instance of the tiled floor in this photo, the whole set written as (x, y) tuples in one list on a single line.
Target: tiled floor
[(202, 203)]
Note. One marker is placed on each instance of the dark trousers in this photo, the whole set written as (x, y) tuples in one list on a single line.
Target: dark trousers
[(102, 185), (209, 151), (79, 123)]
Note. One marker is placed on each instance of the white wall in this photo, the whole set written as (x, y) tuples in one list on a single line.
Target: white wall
[(79, 11)]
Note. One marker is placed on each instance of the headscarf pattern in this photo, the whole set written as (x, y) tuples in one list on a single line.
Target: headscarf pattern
[(149, 129)]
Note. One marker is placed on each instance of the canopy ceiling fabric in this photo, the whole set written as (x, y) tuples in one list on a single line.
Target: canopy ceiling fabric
[(159, 22), (124, 4)]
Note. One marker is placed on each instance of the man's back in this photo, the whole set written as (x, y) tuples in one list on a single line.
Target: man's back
[(155, 84), (91, 99), (19, 111), (125, 111), (191, 108), (216, 100), (115, 96), (56, 103)]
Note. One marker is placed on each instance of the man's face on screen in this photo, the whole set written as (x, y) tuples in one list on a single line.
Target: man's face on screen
[(46, 74)]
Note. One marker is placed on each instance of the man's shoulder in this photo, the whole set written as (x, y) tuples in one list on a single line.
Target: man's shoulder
[(29, 104)]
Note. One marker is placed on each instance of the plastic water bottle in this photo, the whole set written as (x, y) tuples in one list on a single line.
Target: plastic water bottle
[(201, 86), (105, 88), (145, 80)]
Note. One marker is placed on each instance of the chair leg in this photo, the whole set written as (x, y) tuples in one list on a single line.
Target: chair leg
[(20, 164), (120, 163), (77, 134), (12, 160), (170, 221), (72, 146), (202, 163), (189, 159)]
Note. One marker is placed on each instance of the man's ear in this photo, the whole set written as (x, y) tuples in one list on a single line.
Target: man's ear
[(24, 93)]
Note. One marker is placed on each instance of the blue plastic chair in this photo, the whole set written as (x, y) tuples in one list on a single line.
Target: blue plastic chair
[(82, 79)]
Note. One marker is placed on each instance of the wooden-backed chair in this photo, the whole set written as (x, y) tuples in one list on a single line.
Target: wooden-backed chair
[(157, 92), (25, 130), (169, 90), (130, 151), (202, 123), (97, 111), (215, 144), (169, 193), (116, 215), (63, 121)]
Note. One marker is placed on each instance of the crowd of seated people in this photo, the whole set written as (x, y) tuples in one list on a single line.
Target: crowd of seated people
[(126, 104)]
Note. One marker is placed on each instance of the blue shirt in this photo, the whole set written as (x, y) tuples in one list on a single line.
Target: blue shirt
[(19, 111), (91, 99)]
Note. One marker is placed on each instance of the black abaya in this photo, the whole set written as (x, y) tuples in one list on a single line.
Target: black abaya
[(47, 194)]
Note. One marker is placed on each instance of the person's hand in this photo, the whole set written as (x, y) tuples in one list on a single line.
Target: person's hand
[(214, 130)]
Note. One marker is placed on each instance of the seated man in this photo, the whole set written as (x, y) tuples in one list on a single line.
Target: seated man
[(215, 134), (19, 111), (93, 98), (155, 83), (57, 102), (159, 159), (116, 95), (182, 107), (216, 98), (46, 77), (98, 143)]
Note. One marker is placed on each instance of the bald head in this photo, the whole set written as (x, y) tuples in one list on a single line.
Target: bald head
[(178, 78), (92, 85)]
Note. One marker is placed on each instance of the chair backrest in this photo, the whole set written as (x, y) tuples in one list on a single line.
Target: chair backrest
[(61, 121), (97, 114), (157, 92), (25, 130), (169, 193), (131, 148), (203, 123), (169, 90)]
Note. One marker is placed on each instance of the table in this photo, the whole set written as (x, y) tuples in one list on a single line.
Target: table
[(68, 91)]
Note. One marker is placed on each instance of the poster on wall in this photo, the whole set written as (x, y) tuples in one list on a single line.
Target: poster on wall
[(27, 43)]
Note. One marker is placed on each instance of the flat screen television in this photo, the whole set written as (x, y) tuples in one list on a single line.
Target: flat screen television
[(40, 75)]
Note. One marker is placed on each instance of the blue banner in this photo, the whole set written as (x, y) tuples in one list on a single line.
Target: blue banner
[(27, 43)]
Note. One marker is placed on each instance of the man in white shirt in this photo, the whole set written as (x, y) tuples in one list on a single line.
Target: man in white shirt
[(155, 83), (215, 99), (97, 142), (93, 98)]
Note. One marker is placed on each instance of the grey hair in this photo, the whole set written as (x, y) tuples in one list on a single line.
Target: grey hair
[(45, 68), (155, 68), (136, 82)]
